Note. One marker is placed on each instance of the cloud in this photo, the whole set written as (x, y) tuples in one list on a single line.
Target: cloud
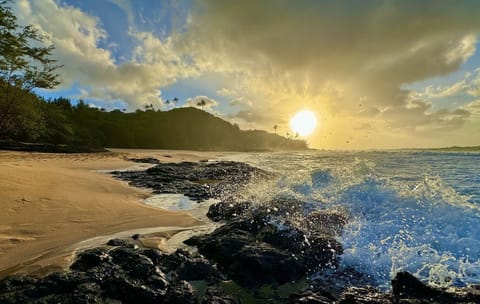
[(432, 91), (470, 85), (226, 92), (76, 36), (350, 61), (473, 107), (242, 102), (419, 117), (289, 51), (195, 102)]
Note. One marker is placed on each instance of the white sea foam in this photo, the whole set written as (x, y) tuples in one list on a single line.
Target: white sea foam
[(180, 202), (409, 211)]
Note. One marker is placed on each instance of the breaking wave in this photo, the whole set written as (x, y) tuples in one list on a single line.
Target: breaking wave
[(408, 211)]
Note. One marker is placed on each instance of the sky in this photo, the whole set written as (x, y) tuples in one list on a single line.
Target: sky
[(377, 74)]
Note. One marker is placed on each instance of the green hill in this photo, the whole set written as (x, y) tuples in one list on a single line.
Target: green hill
[(82, 128)]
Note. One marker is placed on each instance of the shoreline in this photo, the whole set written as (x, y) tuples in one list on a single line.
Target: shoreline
[(52, 201), (242, 257)]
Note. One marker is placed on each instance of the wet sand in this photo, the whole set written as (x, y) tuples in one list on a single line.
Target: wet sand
[(49, 203)]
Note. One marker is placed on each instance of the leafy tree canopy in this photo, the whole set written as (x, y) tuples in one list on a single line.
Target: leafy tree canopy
[(25, 64)]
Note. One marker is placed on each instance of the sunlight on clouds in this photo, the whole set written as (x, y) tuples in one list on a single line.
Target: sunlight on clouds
[(76, 35), (196, 102), (356, 69), (294, 50)]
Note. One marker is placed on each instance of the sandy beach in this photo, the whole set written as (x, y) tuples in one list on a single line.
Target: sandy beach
[(50, 202)]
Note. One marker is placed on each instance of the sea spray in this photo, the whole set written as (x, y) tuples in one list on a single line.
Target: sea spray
[(408, 211)]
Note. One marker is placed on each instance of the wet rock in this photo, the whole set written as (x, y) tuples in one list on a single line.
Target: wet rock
[(145, 160), (181, 293), (154, 254), (90, 258), (199, 181), (310, 297), (339, 279), (365, 295), (171, 262), (120, 242), (87, 293), (69, 287), (128, 290), (286, 207), (197, 269), (215, 296), (227, 210), (254, 252), (325, 222), (222, 244), (313, 251), (409, 289), (258, 264), (133, 262)]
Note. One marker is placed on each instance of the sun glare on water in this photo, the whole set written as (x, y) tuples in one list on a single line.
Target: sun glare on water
[(304, 122)]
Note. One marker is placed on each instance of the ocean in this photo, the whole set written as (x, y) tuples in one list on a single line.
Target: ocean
[(415, 211)]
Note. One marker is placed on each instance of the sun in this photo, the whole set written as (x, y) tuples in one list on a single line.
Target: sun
[(303, 122)]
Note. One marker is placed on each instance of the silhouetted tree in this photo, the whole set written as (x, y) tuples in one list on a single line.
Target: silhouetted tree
[(24, 65), (275, 127), (149, 107), (201, 103)]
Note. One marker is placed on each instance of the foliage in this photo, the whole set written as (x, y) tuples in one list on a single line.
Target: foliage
[(25, 64), (83, 127)]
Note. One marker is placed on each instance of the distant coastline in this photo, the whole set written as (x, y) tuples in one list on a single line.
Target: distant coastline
[(452, 149)]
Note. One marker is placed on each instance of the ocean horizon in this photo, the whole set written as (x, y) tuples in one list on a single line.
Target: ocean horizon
[(407, 210)]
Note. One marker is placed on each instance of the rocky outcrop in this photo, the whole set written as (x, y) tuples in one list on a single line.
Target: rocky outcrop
[(199, 181), (264, 252), (264, 246), (119, 272)]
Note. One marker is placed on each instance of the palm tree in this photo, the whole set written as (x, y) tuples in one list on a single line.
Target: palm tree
[(201, 103), (175, 100), (275, 127)]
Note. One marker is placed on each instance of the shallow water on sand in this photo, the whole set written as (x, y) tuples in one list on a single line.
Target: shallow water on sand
[(415, 211)]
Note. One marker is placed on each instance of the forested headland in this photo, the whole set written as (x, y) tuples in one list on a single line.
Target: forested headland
[(60, 124)]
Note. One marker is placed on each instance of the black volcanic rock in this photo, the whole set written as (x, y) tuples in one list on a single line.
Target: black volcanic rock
[(259, 263), (136, 275), (261, 248), (119, 242), (181, 293), (309, 297), (90, 258), (365, 295), (199, 181), (324, 222), (406, 289), (145, 160), (215, 296), (228, 210), (253, 251), (130, 275), (410, 290)]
